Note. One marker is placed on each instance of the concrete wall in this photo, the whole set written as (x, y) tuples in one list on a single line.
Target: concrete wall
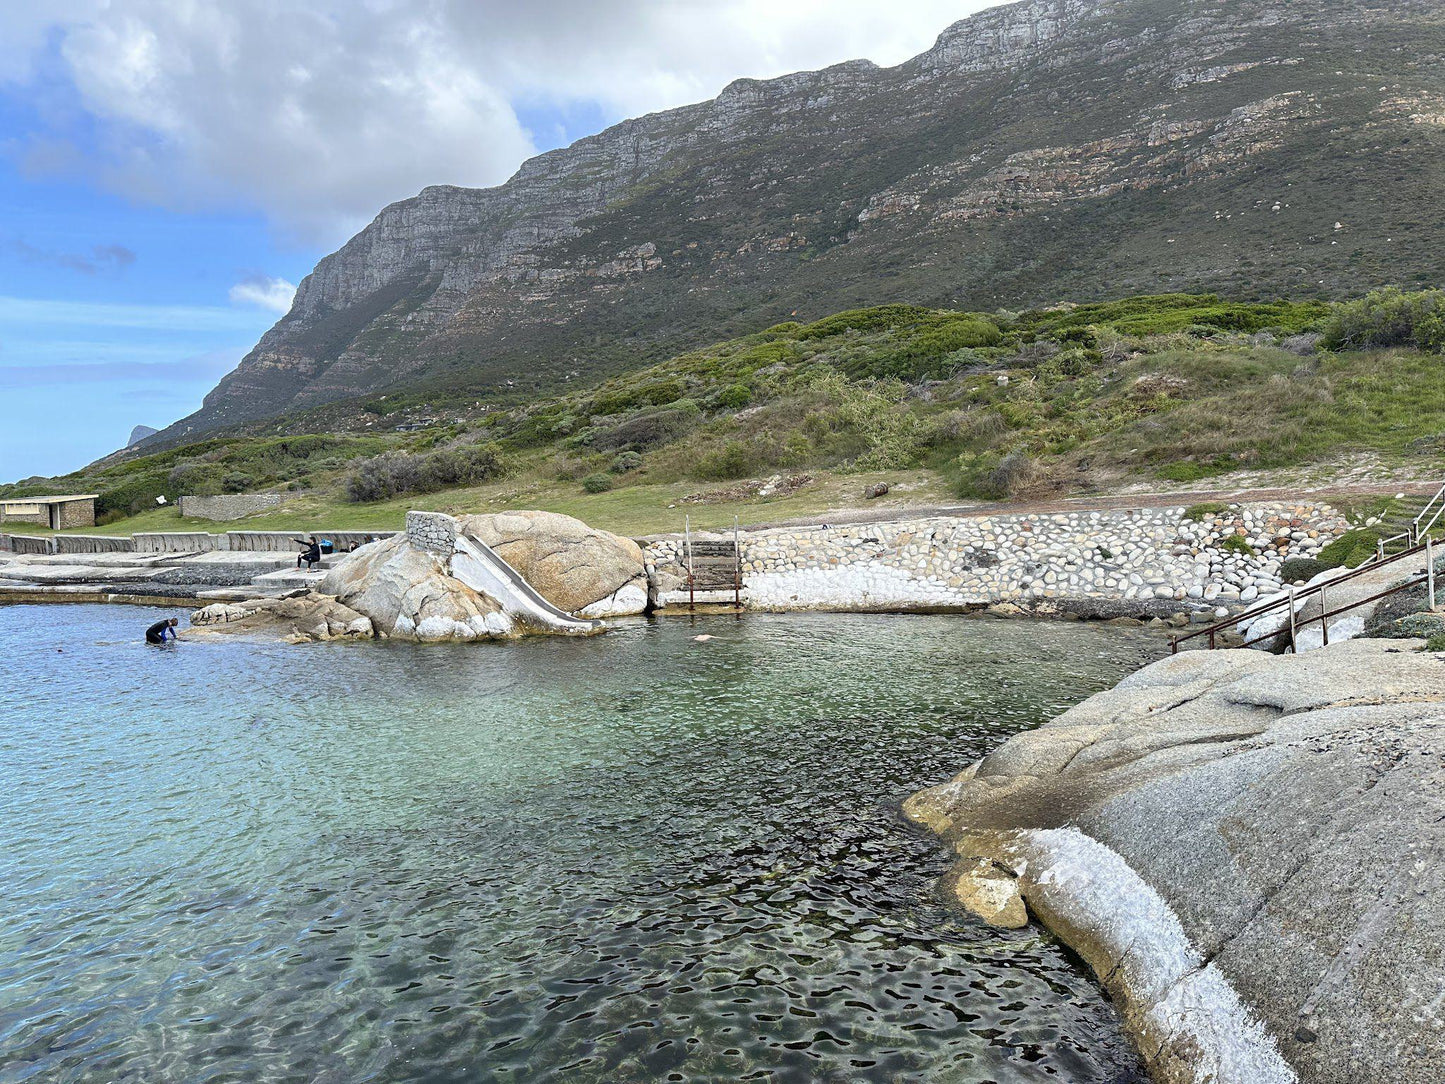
[(228, 505), (22, 543), (968, 561), (178, 542), (183, 542), (93, 543), (285, 541)]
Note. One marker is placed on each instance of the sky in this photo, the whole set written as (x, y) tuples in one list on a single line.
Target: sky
[(170, 169)]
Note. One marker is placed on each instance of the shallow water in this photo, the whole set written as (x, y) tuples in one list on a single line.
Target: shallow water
[(632, 858)]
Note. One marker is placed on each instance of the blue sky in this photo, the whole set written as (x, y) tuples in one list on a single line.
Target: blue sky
[(169, 171), (116, 313)]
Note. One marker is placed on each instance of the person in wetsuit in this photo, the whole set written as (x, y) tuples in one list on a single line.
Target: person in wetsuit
[(310, 552), (156, 634)]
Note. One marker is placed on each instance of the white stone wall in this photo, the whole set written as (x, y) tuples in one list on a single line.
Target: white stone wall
[(958, 562)]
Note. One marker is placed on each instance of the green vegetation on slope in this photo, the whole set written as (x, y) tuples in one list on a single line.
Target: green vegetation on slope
[(997, 405)]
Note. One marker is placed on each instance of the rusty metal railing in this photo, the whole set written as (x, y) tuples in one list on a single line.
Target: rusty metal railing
[(1295, 597)]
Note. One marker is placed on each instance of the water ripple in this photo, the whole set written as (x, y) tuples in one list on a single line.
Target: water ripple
[(635, 858)]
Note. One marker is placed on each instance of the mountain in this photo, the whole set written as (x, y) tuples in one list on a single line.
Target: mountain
[(1049, 149), (139, 433)]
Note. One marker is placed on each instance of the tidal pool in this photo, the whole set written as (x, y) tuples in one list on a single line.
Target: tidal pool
[(634, 858)]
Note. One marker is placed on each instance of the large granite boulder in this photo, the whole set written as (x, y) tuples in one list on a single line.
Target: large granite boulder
[(409, 592), (576, 568), (1247, 848), (309, 616)]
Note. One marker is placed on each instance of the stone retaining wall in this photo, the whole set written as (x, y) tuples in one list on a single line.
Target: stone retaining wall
[(228, 505), (962, 562), (433, 531)]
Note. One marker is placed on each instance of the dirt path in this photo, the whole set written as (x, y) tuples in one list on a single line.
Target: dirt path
[(1101, 502)]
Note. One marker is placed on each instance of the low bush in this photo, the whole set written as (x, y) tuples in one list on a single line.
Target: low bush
[(989, 476), (1301, 569), (735, 397), (1237, 543), (596, 483), (1351, 549), (735, 459), (627, 461), (395, 474), (1203, 510), (1389, 317), (649, 429)]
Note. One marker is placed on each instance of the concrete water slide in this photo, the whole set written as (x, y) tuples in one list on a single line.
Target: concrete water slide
[(478, 566)]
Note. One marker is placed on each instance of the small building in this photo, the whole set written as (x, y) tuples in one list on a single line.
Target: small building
[(57, 513)]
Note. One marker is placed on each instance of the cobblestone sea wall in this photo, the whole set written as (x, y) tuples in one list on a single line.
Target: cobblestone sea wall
[(1231, 556)]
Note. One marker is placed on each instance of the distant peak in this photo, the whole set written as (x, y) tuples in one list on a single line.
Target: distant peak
[(998, 34), (139, 433)]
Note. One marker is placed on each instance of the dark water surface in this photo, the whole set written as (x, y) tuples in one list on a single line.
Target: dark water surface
[(629, 859)]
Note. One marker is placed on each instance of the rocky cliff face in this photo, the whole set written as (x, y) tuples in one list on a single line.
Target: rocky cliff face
[(1047, 149)]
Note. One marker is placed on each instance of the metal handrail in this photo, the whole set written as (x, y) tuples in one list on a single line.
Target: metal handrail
[(1415, 533), (1434, 519), (1293, 599)]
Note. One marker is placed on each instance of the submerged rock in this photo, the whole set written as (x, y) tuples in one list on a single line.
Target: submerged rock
[(1247, 848), (989, 891)]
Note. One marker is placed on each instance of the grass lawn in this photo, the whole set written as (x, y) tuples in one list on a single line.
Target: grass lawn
[(631, 510)]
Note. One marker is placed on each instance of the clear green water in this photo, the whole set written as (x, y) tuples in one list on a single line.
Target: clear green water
[(634, 858)]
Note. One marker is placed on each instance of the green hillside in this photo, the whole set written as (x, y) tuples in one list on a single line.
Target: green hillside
[(982, 406)]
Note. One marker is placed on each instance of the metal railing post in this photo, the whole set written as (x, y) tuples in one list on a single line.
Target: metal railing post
[(1430, 572), (691, 590), (1293, 643), (737, 568), (1324, 618)]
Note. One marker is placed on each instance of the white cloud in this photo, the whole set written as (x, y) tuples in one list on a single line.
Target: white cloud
[(18, 311), (321, 113), (264, 292)]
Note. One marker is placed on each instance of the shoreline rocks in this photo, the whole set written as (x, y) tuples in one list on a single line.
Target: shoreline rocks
[(460, 579), (409, 593), (1248, 849), (300, 618)]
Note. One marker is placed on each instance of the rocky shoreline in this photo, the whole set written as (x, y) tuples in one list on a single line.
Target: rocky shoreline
[(1246, 848), (1162, 566)]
